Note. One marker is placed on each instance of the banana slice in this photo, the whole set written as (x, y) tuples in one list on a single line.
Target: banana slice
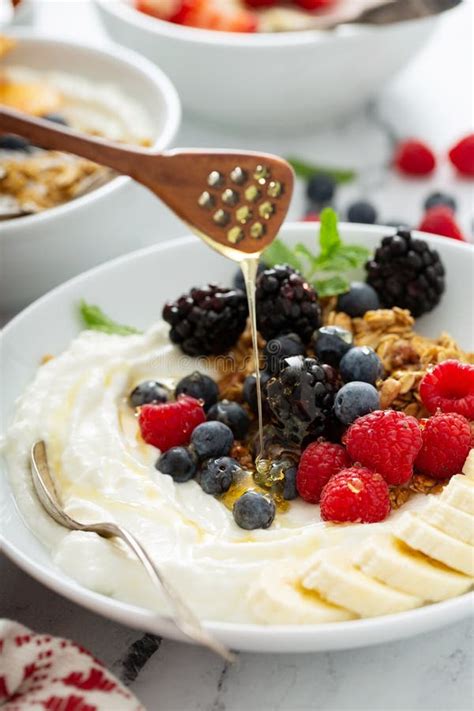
[(333, 575), (278, 598), (456, 523), (468, 468), (392, 562), (460, 493), (421, 536)]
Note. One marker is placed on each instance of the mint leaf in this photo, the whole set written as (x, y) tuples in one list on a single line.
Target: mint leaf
[(307, 170), (94, 319), (333, 286), (279, 253), (329, 238)]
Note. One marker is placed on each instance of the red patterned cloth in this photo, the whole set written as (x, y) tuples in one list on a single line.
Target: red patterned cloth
[(39, 672)]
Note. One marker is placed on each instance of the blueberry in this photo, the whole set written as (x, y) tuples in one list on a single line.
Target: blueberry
[(440, 198), (147, 392), (217, 475), (254, 510), (360, 298), (362, 211), (320, 189), (212, 439), (354, 400), (238, 281), (231, 414), (56, 118), (289, 484), (10, 142), (250, 388), (361, 363), (281, 347), (330, 343), (199, 386), (178, 462)]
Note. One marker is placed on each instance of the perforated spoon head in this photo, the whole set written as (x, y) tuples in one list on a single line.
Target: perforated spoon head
[(235, 201)]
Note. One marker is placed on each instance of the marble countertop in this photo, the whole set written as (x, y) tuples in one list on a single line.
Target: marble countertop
[(431, 98)]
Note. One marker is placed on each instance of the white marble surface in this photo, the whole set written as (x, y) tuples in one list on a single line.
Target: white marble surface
[(431, 98)]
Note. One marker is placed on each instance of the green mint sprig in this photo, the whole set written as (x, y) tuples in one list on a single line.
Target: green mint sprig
[(306, 171), (326, 271), (95, 319)]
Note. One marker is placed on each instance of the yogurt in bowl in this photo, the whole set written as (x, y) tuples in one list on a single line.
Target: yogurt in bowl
[(105, 90), (290, 572), (34, 179)]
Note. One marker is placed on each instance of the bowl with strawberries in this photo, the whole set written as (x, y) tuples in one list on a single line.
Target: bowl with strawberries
[(342, 518), (260, 64)]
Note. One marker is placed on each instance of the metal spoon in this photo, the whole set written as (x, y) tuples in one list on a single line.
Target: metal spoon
[(184, 619), (380, 12)]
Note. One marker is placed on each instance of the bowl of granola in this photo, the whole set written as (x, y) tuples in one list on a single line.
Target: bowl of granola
[(60, 214), (349, 523), (264, 68)]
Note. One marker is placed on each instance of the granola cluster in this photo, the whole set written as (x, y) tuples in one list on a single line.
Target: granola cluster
[(48, 178), (405, 354)]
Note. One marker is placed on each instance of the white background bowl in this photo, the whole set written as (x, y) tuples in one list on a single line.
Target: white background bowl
[(268, 82), (132, 290), (40, 251)]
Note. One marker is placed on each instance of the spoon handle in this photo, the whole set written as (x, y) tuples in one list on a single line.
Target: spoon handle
[(126, 160), (184, 618)]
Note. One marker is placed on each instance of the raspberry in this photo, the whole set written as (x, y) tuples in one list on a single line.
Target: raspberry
[(449, 387), (439, 220), (171, 424), (355, 494), (318, 463), (414, 157), (386, 441), (462, 155), (446, 444)]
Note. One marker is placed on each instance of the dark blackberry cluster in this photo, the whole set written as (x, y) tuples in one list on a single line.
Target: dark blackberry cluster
[(208, 320), (301, 397), (406, 272), (286, 303)]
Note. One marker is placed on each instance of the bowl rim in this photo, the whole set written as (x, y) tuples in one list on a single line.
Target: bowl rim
[(336, 635), (13, 228), (124, 11)]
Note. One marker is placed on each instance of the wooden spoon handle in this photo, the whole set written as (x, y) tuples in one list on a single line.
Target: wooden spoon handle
[(126, 160)]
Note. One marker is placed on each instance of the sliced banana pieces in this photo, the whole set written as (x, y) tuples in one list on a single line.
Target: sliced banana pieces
[(334, 575), (420, 535), (390, 561), (468, 468), (460, 493), (277, 597), (427, 557), (456, 523)]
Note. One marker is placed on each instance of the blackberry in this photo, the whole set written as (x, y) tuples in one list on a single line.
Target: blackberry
[(286, 303), (406, 272), (208, 320), (301, 397)]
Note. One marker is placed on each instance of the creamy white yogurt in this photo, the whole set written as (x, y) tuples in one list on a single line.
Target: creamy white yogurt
[(104, 471), (91, 106)]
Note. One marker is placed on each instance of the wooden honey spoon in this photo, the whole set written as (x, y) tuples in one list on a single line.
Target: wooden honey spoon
[(235, 201)]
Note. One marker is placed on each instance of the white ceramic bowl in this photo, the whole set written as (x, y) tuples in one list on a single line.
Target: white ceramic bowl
[(40, 251), (268, 81), (131, 289)]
